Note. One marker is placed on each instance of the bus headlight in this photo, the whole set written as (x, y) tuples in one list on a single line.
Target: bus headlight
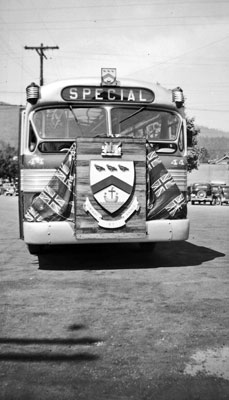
[(32, 93), (178, 97)]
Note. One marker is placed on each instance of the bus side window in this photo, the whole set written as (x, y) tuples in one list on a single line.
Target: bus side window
[(32, 138), (181, 140)]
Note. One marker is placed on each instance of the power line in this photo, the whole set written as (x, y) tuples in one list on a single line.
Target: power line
[(207, 110), (9, 51), (93, 25), (183, 54), (115, 5), (40, 15), (126, 26), (40, 51), (113, 19)]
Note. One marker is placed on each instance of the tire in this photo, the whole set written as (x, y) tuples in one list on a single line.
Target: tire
[(201, 194), (147, 246), (35, 249)]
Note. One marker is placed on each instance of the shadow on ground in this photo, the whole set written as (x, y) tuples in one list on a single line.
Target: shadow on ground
[(47, 354), (47, 357), (125, 256)]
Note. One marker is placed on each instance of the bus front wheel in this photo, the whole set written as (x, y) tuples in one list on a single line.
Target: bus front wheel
[(147, 246), (35, 249)]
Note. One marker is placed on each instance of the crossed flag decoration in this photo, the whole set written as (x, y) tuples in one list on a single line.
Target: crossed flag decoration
[(57, 201), (164, 198)]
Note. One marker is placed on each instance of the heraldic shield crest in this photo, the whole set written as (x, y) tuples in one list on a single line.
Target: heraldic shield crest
[(112, 183)]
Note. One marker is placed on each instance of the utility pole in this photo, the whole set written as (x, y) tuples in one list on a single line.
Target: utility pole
[(40, 51)]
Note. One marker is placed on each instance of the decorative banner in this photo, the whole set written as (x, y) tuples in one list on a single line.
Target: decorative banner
[(112, 185)]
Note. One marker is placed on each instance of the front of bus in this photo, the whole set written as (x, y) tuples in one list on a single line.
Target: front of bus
[(103, 161)]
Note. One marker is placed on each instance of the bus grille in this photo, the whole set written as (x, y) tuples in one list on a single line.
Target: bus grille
[(180, 178), (34, 180)]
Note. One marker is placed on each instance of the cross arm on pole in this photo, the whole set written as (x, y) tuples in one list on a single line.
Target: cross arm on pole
[(40, 51)]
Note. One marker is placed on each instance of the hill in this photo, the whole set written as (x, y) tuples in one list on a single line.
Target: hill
[(212, 133), (215, 142), (216, 147)]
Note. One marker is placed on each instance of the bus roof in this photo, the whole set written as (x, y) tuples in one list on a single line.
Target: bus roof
[(52, 92)]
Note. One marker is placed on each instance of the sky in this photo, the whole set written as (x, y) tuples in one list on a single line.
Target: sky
[(174, 42)]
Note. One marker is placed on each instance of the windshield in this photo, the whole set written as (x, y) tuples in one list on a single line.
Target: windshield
[(144, 122), (199, 186), (70, 122), (138, 122), (215, 189)]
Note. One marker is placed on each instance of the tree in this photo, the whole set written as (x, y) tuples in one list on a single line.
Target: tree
[(8, 162), (193, 150), (204, 155)]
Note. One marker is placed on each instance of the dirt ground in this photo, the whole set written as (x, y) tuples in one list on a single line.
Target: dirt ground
[(115, 322)]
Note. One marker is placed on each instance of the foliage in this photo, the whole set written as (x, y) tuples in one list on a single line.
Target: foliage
[(193, 158), (194, 151), (192, 132), (8, 162), (204, 155)]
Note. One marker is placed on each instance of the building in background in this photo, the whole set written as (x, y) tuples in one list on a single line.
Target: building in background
[(9, 124), (214, 171)]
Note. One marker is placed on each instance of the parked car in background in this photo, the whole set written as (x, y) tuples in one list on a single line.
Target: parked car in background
[(216, 190), (188, 196), (202, 193), (224, 195), (10, 190)]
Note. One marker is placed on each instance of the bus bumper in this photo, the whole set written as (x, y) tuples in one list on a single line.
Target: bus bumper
[(56, 233)]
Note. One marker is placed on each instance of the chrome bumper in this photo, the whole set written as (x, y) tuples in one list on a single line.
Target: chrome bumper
[(53, 233)]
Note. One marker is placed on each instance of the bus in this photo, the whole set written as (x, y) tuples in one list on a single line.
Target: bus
[(102, 160)]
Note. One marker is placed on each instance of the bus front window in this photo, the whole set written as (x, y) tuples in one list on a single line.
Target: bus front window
[(142, 122), (71, 122)]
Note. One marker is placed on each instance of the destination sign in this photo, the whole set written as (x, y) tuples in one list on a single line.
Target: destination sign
[(107, 94)]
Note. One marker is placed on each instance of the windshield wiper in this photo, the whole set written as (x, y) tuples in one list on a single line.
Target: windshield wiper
[(131, 115), (78, 124), (76, 119)]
